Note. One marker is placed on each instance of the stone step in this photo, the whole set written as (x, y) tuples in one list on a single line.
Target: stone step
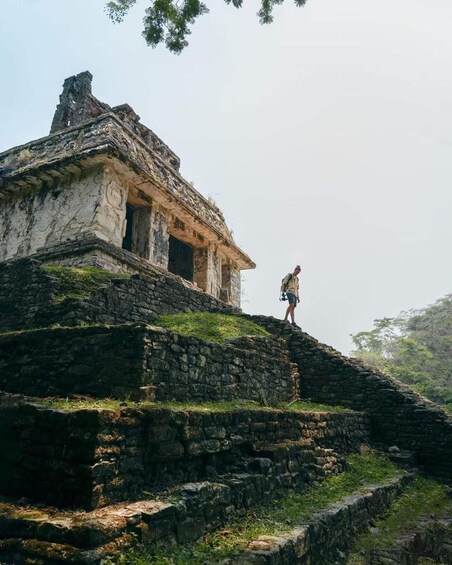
[(45, 536), (100, 456), (135, 361), (180, 514), (302, 457), (84, 537), (328, 536), (431, 540)]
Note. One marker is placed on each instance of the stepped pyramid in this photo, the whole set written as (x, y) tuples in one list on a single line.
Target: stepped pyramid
[(106, 438)]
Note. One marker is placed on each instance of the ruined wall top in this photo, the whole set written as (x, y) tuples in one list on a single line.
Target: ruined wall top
[(78, 105)]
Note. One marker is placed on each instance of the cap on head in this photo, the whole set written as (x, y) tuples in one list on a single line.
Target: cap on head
[(297, 268)]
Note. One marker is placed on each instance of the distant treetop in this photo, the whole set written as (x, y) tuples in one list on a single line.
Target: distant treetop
[(168, 21)]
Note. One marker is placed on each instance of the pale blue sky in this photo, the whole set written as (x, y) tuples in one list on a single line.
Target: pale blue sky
[(325, 137)]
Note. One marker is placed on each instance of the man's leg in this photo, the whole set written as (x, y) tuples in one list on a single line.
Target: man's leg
[(292, 313), (287, 312)]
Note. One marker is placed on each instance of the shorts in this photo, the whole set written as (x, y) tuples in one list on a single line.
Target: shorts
[(292, 298)]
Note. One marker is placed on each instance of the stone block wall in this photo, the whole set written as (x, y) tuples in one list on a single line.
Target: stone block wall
[(48, 455), (398, 415), (61, 210), (97, 457), (124, 361), (29, 299)]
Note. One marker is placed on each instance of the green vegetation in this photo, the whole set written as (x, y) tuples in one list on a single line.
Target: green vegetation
[(87, 403), (54, 327), (80, 283), (307, 406), (211, 327), (424, 497), (271, 518), (414, 347), (168, 21)]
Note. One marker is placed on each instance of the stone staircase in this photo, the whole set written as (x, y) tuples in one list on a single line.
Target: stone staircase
[(150, 473), (135, 455)]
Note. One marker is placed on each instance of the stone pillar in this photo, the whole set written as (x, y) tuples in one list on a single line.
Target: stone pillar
[(141, 231), (159, 239), (207, 270), (230, 284), (200, 267)]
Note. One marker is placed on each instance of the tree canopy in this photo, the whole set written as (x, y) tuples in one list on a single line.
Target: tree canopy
[(169, 21), (414, 347)]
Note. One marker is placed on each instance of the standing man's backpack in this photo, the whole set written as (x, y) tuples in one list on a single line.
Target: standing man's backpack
[(284, 285)]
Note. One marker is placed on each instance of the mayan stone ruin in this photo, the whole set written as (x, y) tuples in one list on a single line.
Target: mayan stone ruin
[(103, 183), (117, 432)]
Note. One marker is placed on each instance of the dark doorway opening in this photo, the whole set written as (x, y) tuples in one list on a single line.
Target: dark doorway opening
[(127, 241), (180, 260)]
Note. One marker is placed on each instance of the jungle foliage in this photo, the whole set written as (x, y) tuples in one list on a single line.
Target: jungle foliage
[(414, 347)]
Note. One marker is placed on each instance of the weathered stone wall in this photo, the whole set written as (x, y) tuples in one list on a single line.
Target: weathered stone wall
[(29, 298), (398, 415), (97, 457), (92, 361), (45, 201), (99, 136), (124, 361), (45, 216)]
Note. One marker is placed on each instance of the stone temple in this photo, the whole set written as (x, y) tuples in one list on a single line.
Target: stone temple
[(104, 190), (117, 429)]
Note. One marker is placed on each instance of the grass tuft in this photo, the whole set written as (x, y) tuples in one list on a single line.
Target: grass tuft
[(88, 403), (80, 283), (424, 498), (211, 327)]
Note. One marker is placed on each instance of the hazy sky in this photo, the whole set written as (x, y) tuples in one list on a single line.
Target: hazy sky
[(325, 137)]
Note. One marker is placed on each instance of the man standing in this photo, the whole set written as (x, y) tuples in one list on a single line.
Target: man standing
[(290, 285)]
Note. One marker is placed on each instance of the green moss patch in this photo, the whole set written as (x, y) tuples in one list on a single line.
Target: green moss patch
[(424, 498), (211, 327), (271, 519), (308, 406), (86, 403), (80, 283)]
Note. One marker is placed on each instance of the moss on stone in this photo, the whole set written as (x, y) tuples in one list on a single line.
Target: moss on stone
[(225, 406), (424, 498), (211, 327), (80, 283), (271, 519), (308, 406)]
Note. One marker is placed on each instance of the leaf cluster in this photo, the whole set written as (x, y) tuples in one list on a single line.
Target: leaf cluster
[(169, 21)]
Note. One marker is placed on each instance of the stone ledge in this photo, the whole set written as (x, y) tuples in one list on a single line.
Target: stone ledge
[(329, 535), (121, 361), (27, 292), (78, 537), (98, 457), (195, 509)]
